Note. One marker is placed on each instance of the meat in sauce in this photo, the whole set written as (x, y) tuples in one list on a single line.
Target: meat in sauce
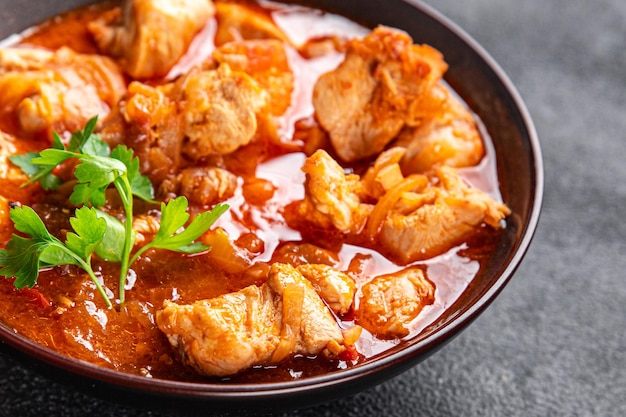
[(343, 157)]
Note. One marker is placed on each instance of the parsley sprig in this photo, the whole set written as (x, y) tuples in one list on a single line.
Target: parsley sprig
[(94, 231)]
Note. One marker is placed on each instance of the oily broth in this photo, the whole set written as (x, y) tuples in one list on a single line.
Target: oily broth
[(74, 33), (64, 312)]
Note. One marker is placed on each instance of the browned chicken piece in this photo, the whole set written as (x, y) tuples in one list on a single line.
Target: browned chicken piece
[(202, 185), (203, 113), (297, 254), (308, 327), (384, 174), (335, 287), (148, 121), (56, 91), (266, 62), (223, 335), (331, 197), (237, 22), (254, 326), (447, 137), (148, 37), (220, 111), (145, 226), (412, 218), (429, 219), (389, 303), (364, 103)]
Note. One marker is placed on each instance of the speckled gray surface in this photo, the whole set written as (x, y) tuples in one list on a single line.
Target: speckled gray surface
[(554, 342)]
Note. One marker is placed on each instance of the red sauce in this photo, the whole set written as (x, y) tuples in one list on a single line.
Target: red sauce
[(65, 313)]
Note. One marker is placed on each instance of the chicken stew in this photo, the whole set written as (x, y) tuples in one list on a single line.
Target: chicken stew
[(362, 192)]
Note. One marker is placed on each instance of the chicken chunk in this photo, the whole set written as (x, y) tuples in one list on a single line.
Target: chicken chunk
[(148, 121), (335, 287), (384, 174), (149, 36), (389, 303), (253, 326), (58, 91), (202, 113), (447, 136), (307, 324), (202, 185), (297, 254), (364, 103), (145, 226), (237, 22), (433, 218), (226, 334), (410, 218), (266, 62), (331, 197), (220, 111)]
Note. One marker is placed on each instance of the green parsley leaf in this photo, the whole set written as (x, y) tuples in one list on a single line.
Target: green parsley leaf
[(90, 230), (94, 145), (140, 184), (54, 255), (24, 257), (198, 226), (111, 248), (173, 217), (94, 231), (43, 174), (57, 143), (52, 157), (173, 236), (80, 137), (26, 220), (25, 164), (21, 258), (94, 175)]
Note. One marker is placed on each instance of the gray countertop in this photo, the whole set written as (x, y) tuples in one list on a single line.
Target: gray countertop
[(554, 342)]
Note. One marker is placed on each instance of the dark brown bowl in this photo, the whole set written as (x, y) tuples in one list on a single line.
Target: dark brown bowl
[(481, 82)]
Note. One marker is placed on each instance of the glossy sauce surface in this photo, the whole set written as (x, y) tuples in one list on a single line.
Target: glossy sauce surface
[(64, 312)]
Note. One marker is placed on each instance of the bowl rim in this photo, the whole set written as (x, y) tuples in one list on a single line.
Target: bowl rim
[(384, 365)]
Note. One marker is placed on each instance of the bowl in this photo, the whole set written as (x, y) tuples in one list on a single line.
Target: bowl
[(478, 79)]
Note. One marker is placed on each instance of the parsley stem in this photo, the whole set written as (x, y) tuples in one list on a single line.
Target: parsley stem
[(140, 252), (85, 264), (95, 280), (126, 195), (87, 267)]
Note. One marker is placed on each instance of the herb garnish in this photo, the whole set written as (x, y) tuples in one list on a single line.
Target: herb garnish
[(94, 230)]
